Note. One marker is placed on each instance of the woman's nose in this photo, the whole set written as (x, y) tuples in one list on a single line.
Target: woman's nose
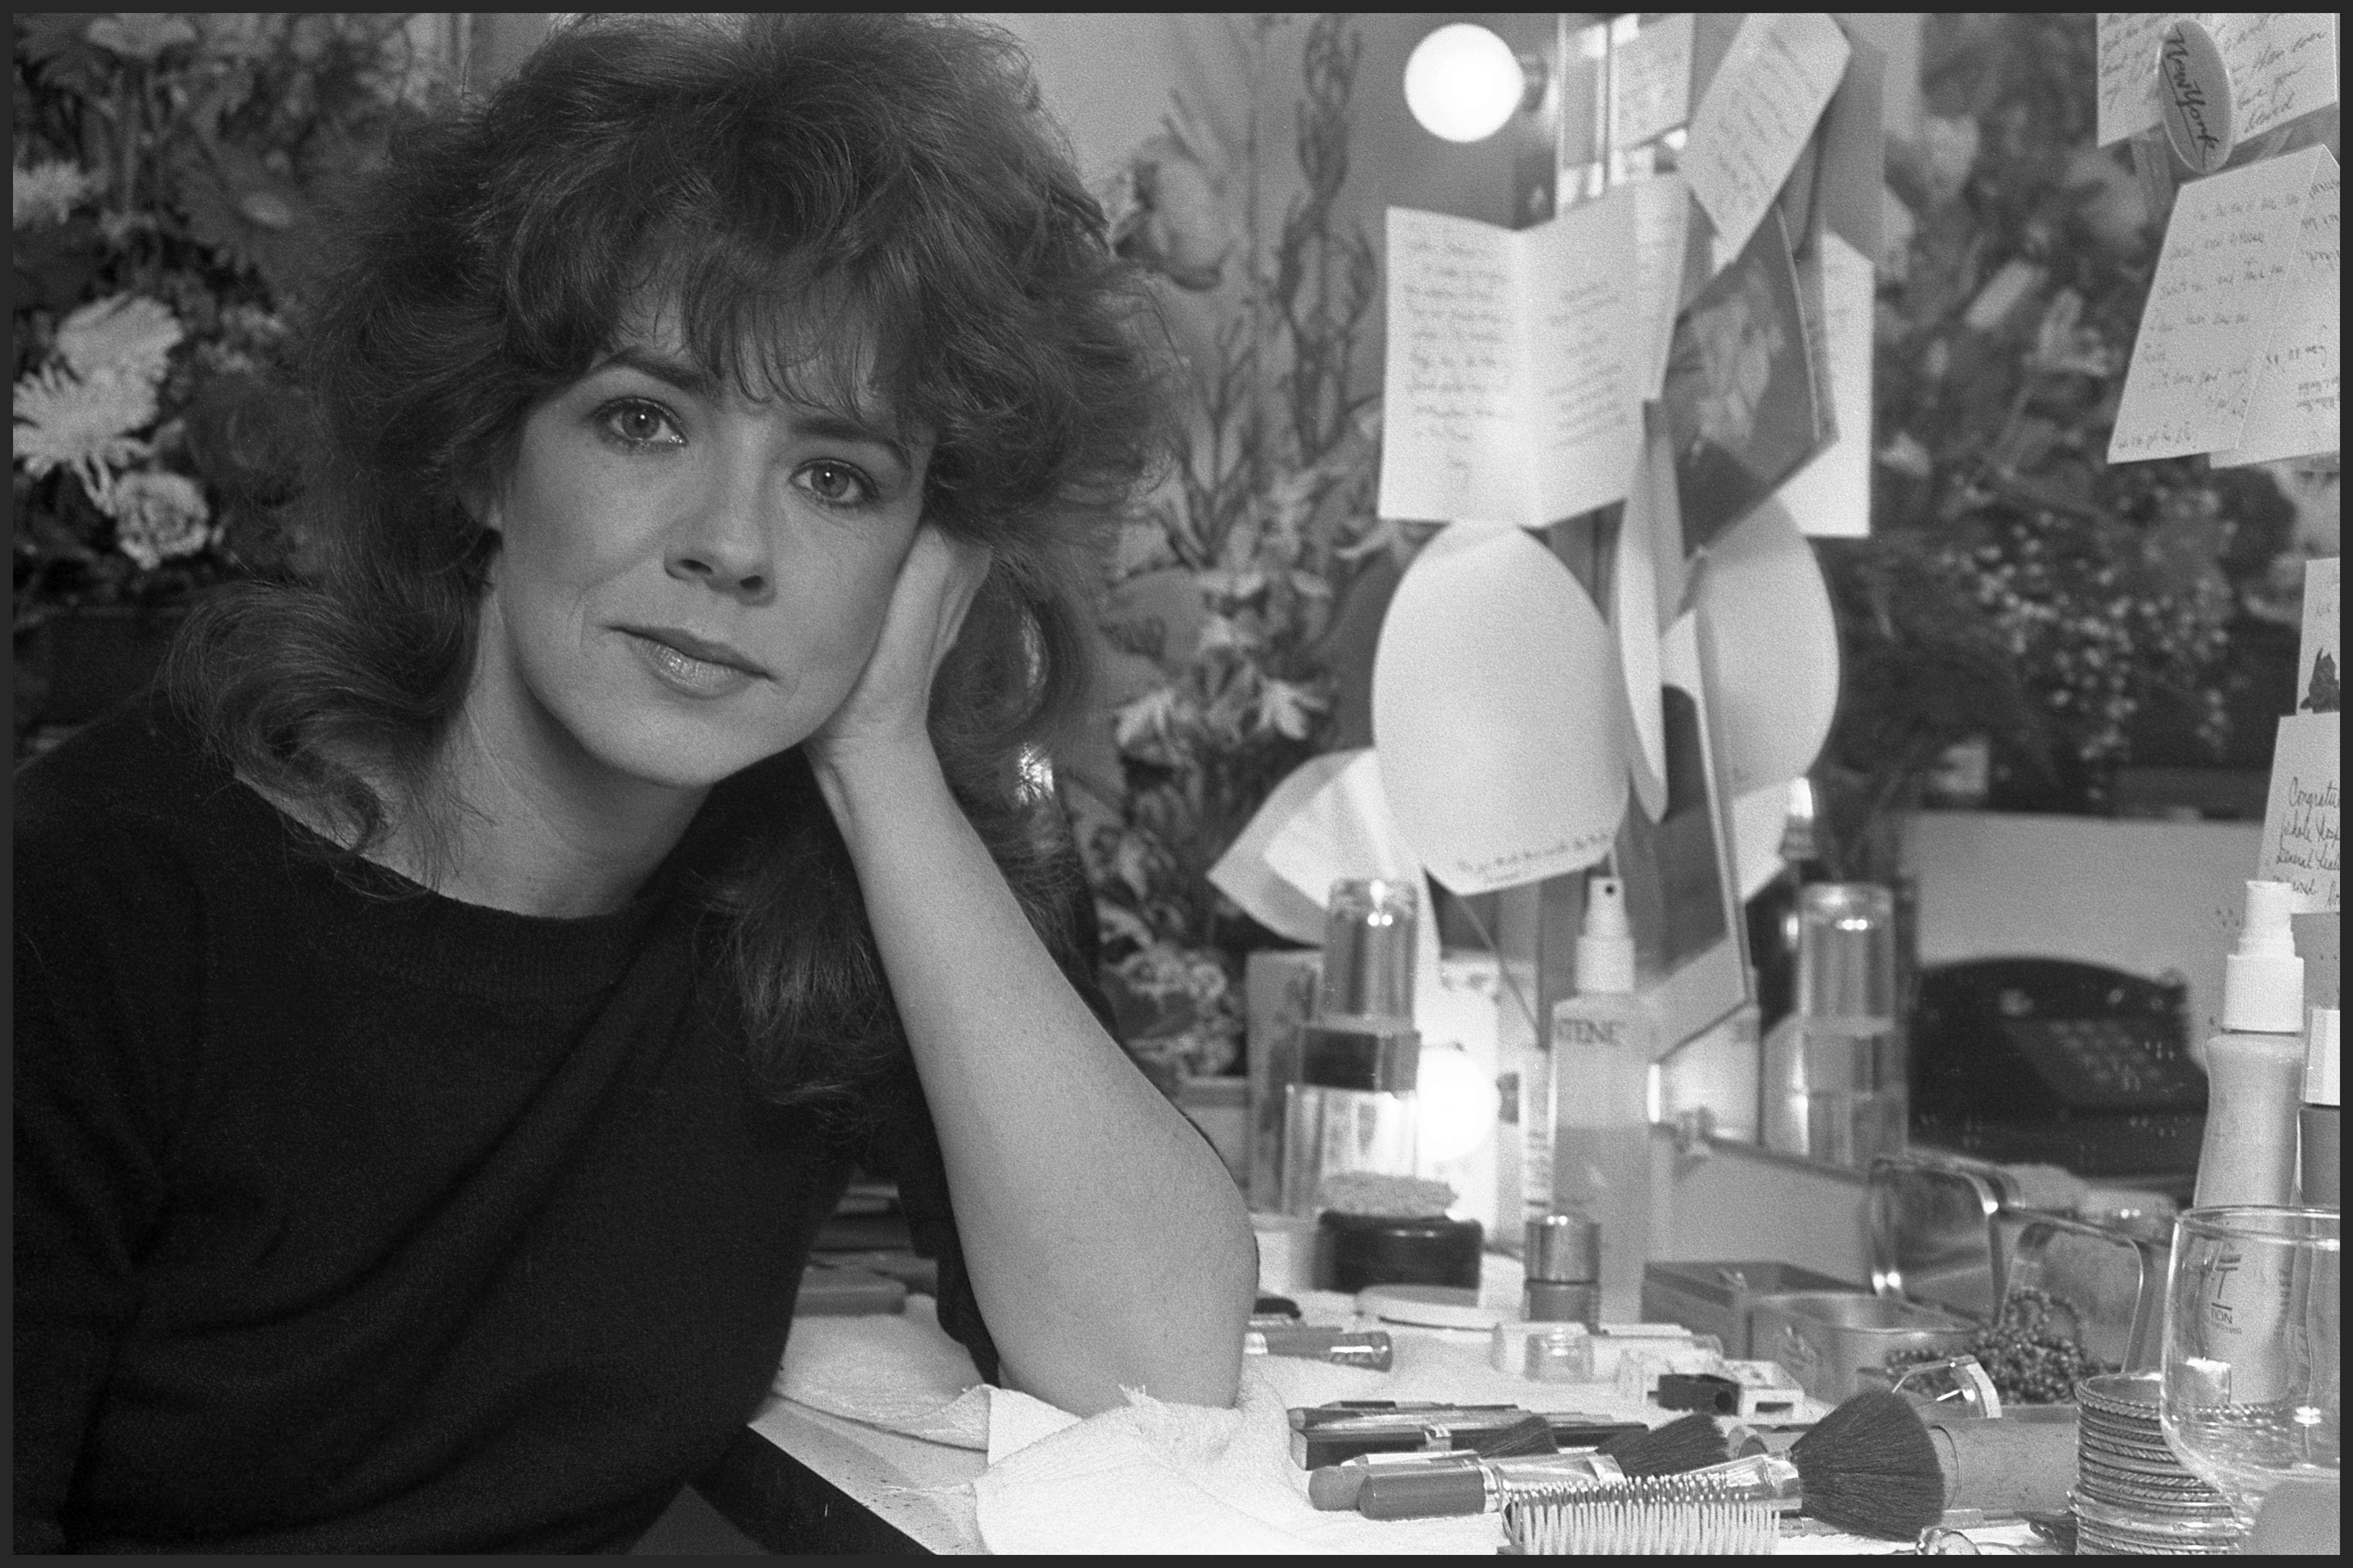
[(725, 545)]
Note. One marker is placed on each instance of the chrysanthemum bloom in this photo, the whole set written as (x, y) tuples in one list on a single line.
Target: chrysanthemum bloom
[(48, 192), (65, 422), (158, 516), (128, 332)]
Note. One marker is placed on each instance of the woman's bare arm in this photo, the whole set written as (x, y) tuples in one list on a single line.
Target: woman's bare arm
[(1108, 1246)]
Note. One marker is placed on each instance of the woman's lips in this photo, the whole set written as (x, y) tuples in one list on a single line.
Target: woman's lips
[(691, 666)]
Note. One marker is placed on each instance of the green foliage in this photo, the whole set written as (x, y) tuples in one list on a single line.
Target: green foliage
[(1253, 541), (169, 167)]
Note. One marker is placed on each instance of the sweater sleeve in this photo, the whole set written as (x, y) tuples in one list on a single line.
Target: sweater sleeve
[(106, 989)]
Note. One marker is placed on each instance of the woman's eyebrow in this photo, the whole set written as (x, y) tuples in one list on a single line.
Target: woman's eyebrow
[(829, 426), (682, 374)]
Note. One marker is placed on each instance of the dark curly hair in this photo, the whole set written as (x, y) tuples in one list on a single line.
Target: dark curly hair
[(848, 209)]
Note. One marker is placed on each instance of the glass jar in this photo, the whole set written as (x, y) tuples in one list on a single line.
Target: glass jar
[(1835, 1084)]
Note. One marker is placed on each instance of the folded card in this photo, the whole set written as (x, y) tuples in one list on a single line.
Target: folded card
[(1511, 388)]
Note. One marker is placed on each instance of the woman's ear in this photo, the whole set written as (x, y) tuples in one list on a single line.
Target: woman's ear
[(480, 500)]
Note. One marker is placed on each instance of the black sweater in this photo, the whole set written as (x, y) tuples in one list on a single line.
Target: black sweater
[(355, 1224)]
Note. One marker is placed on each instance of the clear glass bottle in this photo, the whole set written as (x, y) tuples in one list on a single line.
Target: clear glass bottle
[(1353, 1106), (1834, 1070)]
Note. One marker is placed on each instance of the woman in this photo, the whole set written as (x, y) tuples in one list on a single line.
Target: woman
[(442, 1025)]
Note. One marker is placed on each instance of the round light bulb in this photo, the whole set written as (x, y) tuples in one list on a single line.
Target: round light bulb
[(1462, 82), (1459, 1103)]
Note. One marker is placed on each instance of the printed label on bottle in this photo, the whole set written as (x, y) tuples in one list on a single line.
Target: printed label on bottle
[(1568, 1029)]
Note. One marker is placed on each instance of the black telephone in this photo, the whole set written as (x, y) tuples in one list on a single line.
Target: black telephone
[(2051, 1060)]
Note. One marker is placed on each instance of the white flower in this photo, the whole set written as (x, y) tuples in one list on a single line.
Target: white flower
[(1146, 719), (48, 191), (1287, 708), (157, 516), (129, 332), (63, 422)]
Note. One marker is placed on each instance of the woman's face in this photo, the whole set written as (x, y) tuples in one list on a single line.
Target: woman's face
[(687, 581)]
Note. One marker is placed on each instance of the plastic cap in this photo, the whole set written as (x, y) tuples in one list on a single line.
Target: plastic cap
[(2320, 1059), (1604, 948), (2262, 980)]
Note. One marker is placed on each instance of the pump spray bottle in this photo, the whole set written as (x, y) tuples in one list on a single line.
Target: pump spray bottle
[(1603, 1041), (2254, 1069)]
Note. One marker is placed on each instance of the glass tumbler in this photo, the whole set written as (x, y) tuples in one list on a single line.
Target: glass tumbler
[(2251, 1385), (1834, 1070)]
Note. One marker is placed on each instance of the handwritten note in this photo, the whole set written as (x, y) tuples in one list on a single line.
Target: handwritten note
[(1662, 229), (1654, 81), (2227, 250), (2292, 411), (1511, 390), (1777, 77), (2300, 823), (1830, 496), (2320, 676), (2281, 64)]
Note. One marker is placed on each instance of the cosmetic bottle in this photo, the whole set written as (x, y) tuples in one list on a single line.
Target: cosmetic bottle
[(2254, 1068), (1353, 1107), (2317, 1122), (1603, 1041)]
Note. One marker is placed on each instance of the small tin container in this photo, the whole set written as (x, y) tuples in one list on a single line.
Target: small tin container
[(1827, 1339), (1563, 1255)]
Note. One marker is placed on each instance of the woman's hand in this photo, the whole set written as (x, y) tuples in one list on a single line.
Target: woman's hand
[(886, 712)]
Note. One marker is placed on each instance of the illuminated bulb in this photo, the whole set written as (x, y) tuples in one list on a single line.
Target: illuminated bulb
[(1462, 82), (1459, 1103)]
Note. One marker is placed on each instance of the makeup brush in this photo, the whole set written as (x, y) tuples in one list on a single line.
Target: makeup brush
[(1688, 1443), (1868, 1468)]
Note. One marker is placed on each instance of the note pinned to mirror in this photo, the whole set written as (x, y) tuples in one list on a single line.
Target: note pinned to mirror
[(1496, 714), (1757, 114), (1246, 872), (2228, 250), (2320, 676), (2292, 409), (1661, 235), (1510, 394), (2280, 65), (2301, 841), (1760, 819), (1765, 612), (1652, 85), (1829, 497)]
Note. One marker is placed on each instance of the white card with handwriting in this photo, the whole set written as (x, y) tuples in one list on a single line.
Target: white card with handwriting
[(2281, 63), (1652, 81), (2209, 313), (2300, 822), (1756, 116), (2292, 410), (1510, 393)]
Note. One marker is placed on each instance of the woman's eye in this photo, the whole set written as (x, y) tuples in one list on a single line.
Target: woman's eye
[(636, 423), (837, 484)]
